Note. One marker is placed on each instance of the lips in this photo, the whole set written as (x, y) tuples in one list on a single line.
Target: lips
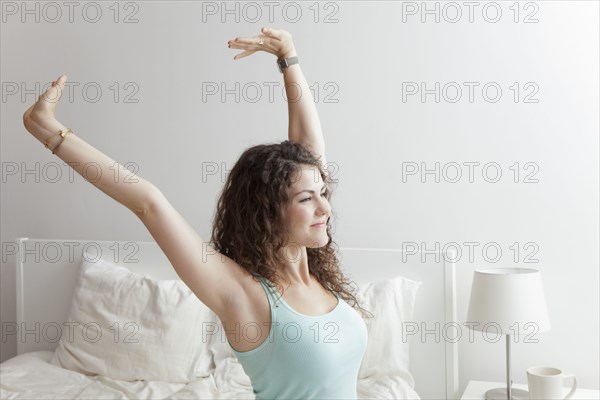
[(320, 223)]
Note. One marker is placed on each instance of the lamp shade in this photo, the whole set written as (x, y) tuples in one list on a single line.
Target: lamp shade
[(509, 299)]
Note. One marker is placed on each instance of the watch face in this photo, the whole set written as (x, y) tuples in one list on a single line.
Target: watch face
[(281, 64)]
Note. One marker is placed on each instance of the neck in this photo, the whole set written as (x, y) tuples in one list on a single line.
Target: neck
[(295, 269)]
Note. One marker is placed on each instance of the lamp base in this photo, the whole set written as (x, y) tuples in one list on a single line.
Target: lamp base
[(500, 394)]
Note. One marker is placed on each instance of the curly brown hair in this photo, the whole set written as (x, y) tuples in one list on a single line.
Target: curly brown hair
[(249, 221)]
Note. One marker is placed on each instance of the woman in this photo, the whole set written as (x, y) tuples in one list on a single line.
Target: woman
[(271, 226)]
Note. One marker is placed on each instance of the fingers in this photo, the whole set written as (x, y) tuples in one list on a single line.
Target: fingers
[(244, 54), (271, 40), (254, 40), (250, 45), (48, 99), (270, 32), (52, 95), (246, 44), (267, 34)]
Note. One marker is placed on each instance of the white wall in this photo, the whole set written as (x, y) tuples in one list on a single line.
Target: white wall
[(359, 65)]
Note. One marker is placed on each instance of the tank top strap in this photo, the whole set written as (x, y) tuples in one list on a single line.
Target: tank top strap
[(270, 289)]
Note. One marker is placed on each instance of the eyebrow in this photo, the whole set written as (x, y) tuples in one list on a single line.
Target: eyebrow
[(309, 191)]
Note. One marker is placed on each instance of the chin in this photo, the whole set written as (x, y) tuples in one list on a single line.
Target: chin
[(315, 244)]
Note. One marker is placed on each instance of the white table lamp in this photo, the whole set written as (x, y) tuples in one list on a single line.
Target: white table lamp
[(512, 301)]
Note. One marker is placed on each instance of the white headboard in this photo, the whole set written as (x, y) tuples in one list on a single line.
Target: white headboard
[(47, 272)]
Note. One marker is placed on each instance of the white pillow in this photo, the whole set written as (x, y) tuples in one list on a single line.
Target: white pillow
[(392, 303), (128, 326)]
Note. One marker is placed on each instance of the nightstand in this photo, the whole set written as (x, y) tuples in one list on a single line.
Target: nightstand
[(476, 390)]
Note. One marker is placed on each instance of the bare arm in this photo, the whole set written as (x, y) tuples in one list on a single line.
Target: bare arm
[(93, 165), (304, 125), (213, 277)]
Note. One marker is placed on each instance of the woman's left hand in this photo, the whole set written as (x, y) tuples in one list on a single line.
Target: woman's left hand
[(274, 41), (40, 119)]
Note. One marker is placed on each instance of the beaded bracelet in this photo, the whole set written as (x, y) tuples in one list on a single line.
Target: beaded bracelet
[(63, 133)]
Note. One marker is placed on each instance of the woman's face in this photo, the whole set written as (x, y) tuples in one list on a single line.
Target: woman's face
[(307, 206)]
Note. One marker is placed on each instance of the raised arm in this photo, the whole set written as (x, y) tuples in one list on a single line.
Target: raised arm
[(212, 277), (304, 126), (94, 166)]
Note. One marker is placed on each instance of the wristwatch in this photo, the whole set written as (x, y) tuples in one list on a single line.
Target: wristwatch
[(286, 62)]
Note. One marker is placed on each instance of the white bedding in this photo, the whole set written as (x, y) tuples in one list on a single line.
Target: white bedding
[(31, 376), (172, 355)]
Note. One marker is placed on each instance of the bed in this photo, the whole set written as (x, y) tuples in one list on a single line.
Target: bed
[(140, 340)]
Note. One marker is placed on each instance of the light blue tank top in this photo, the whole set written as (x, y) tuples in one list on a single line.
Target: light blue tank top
[(306, 357)]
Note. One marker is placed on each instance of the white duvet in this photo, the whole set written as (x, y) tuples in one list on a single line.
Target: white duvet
[(31, 376)]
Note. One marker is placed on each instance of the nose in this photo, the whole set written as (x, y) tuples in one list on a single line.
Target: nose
[(324, 207)]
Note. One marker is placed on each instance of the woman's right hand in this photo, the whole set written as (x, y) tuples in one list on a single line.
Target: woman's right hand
[(40, 119)]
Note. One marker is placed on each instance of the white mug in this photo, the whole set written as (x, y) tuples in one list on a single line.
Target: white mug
[(546, 383)]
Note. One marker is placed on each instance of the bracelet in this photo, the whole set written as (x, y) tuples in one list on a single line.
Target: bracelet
[(62, 133)]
